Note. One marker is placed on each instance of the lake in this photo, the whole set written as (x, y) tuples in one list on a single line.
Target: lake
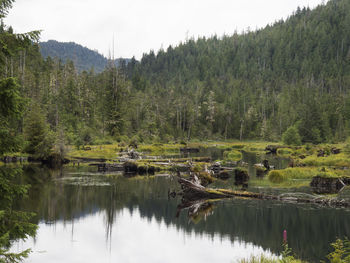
[(85, 216)]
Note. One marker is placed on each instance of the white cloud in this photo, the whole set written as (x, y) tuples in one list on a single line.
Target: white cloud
[(141, 25)]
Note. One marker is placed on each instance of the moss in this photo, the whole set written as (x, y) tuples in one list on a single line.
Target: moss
[(232, 156)]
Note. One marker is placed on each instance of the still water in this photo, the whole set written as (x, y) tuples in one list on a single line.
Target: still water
[(84, 216)]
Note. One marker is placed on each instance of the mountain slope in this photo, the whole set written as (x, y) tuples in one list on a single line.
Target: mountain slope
[(257, 84), (83, 58), (310, 42)]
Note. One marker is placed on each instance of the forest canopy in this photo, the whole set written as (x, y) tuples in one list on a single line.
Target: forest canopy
[(251, 85)]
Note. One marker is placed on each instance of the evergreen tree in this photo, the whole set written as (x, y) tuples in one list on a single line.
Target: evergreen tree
[(291, 136), (40, 139)]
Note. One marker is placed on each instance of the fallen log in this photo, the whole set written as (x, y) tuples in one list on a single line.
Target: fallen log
[(192, 191)]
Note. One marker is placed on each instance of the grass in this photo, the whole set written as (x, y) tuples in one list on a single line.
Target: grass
[(232, 155), (301, 175), (161, 149), (335, 160), (100, 152)]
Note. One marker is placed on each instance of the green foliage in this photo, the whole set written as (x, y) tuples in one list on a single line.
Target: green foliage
[(341, 251), (38, 135), (291, 136), (14, 224), (11, 106), (256, 85), (347, 146), (5, 5), (276, 176), (11, 103)]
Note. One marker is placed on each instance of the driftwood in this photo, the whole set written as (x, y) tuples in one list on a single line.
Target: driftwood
[(192, 191)]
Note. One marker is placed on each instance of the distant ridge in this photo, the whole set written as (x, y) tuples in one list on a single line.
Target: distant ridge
[(83, 58)]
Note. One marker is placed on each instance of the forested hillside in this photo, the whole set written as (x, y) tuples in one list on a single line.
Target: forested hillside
[(250, 85), (83, 58), (257, 84)]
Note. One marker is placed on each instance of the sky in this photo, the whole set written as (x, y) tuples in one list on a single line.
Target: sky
[(138, 26)]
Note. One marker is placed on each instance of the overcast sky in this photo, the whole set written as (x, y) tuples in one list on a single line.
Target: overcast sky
[(141, 25)]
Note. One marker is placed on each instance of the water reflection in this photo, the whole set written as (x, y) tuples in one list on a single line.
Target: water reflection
[(134, 239), (119, 217)]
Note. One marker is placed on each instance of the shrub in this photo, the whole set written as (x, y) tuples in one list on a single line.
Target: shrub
[(291, 136), (276, 176)]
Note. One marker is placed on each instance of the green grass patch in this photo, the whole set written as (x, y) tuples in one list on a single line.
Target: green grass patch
[(99, 151), (303, 173), (232, 156), (160, 149), (334, 160)]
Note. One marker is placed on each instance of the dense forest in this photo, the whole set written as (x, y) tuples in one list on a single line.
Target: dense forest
[(83, 58), (292, 75)]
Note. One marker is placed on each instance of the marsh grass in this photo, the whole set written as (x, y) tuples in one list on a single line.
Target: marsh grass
[(301, 176), (100, 151), (335, 160), (232, 155)]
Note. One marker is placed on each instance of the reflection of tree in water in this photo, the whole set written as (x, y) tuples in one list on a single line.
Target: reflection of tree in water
[(260, 222), (14, 224)]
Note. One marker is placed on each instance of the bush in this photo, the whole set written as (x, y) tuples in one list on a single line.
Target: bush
[(276, 177), (291, 136)]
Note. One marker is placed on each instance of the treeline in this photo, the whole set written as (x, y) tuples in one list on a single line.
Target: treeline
[(257, 84), (252, 85)]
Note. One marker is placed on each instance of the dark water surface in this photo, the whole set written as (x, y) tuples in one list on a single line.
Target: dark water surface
[(85, 216)]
